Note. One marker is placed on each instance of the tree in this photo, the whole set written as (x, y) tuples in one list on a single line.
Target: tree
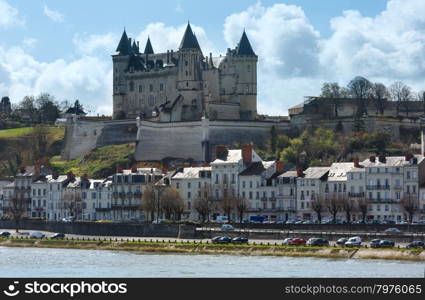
[(318, 205), (362, 206), (410, 204), (171, 203), (333, 204), (378, 140), (360, 89), (39, 143), (27, 106), (379, 95), (401, 94), (149, 201), (17, 208), (72, 203), (241, 207), (202, 203), (48, 108), (347, 206), (227, 200)]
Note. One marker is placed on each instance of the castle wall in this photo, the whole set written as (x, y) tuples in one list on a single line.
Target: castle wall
[(82, 136), (197, 139)]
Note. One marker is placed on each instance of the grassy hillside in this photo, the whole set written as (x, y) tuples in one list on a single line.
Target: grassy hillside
[(98, 163), (17, 146)]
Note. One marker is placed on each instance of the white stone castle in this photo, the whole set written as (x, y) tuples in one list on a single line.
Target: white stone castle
[(184, 85)]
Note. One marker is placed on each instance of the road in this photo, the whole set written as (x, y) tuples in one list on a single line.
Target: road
[(164, 239)]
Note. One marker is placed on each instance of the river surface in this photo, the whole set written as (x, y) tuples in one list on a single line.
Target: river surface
[(42, 262)]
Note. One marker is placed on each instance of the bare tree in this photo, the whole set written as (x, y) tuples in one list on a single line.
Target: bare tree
[(360, 89), (203, 203), (362, 207), (421, 98), (178, 207), (72, 203), (17, 208), (401, 94), (227, 200), (347, 206), (333, 204), (318, 205), (148, 201), (241, 207), (379, 95), (171, 203), (410, 204)]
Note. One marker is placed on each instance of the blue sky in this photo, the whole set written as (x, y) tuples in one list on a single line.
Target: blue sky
[(64, 47)]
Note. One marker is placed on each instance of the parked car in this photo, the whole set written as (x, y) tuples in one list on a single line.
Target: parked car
[(37, 235), (224, 240), (386, 244), (341, 241), (68, 219), (227, 227), (297, 242), (239, 240), (286, 241), (58, 236), (4, 234), (355, 241), (389, 222), (375, 243), (317, 242), (215, 239), (392, 230), (416, 244)]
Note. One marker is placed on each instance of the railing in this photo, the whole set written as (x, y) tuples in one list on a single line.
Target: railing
[(125, 206), (103, 209), (378, 187), (382, 200), (356, 195)]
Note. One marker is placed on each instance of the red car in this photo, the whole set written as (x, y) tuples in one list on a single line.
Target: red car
[(297, 241)]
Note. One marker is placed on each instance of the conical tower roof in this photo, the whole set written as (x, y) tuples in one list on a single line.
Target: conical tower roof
[(189, 40), (244, 46), (124, 48), (148, 47)]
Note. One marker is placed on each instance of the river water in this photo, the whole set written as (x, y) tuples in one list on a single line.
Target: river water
[(39, 262)]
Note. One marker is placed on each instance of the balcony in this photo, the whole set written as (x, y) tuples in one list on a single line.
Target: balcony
[(263, 198), (356, 195), (125, 206), (103, 209), (378, 187), (382, 200)]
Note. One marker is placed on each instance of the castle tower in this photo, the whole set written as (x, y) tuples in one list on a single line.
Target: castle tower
[(189, 76), (120, 61), (148, 47), (246, 67)]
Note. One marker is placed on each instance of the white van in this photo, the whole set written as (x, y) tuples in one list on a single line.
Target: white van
[(222, 219), (353, 242)]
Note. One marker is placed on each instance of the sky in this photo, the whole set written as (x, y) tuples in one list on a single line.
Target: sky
[(64, 47)]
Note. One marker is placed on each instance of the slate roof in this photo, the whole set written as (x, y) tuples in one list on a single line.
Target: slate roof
[(124, 46), (255, 168), (289, 174), (233, 156), (338, 171), (244, 46), (315, 172), (191, 173), (148, 47), (189, 40), (390, 161)]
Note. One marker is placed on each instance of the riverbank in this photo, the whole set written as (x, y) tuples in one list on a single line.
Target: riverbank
[(208, 248)]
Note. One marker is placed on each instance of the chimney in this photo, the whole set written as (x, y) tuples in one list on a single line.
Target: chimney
[(408, 156), (164, 170), (55, 175), (356, 162), (247, 153), (70, 176), (171, 54), (279, 166), (168, 56), (134, 169), (372, 158), (119, 169), (382, 159), (211, 61), (221, 152), (300, 172)]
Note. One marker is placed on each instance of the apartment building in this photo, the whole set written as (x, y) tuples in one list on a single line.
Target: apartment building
[(287, 194)]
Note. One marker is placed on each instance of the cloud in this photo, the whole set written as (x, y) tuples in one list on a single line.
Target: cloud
[(165, 38), (53, 15), (294, 60), (89, 44), (29, 43), (9, 16), (87, 78), (179, 7)]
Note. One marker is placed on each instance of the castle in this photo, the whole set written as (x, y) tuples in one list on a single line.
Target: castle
[(184, 85)]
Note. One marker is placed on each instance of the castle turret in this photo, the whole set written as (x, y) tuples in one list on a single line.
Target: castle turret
[(189, 76), (120, 61), (246, 67), (148, 47)]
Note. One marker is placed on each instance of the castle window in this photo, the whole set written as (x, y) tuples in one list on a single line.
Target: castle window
[(185, 63), (140, 88), (187, 83), (187, 73), (131, 86), (151, 100), (151, 87), (161, 87)]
